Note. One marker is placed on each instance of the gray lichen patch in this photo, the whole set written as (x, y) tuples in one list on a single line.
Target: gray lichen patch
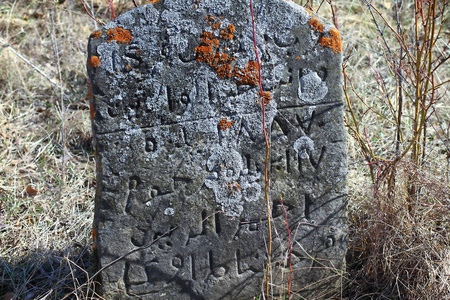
[(304, 147), (231, 183), (311, 88)]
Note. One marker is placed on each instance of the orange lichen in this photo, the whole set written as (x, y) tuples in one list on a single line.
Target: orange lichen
[(120, 35), (221, 63), (128, 66), (333, 42), (96, 34), (233, 187), (225, 71), (94, 62), (209, 52), (297, 58), (227, 33), (266, 98), (314, 23), (204, 53), (208, 45), (210, 20), (224, 124), (249, 75), (216, 26)]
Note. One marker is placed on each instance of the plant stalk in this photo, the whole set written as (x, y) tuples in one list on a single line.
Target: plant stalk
[(266, 161)]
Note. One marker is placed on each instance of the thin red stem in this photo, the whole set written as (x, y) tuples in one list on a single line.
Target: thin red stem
[(111, 8), (266, 172), (90, 14), (259, 74)]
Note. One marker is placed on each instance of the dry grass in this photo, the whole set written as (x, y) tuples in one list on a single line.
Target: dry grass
[(395, 253), (47, 178), (49, 275), (397, 250)]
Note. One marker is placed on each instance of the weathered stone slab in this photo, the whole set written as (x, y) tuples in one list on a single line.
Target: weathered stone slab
[(178, 130)]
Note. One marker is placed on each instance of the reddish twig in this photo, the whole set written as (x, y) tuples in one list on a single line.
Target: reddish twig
[(111, 8), (90, 14), (266, 172)]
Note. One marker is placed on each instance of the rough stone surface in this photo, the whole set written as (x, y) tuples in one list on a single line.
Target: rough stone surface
[(180, 149)]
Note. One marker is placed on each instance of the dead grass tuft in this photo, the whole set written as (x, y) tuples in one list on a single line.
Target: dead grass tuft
[(43, 212), (50, 275), (399, 247), (395, 253)]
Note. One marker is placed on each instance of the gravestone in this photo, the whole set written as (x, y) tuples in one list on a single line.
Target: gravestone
[(180, 150)]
